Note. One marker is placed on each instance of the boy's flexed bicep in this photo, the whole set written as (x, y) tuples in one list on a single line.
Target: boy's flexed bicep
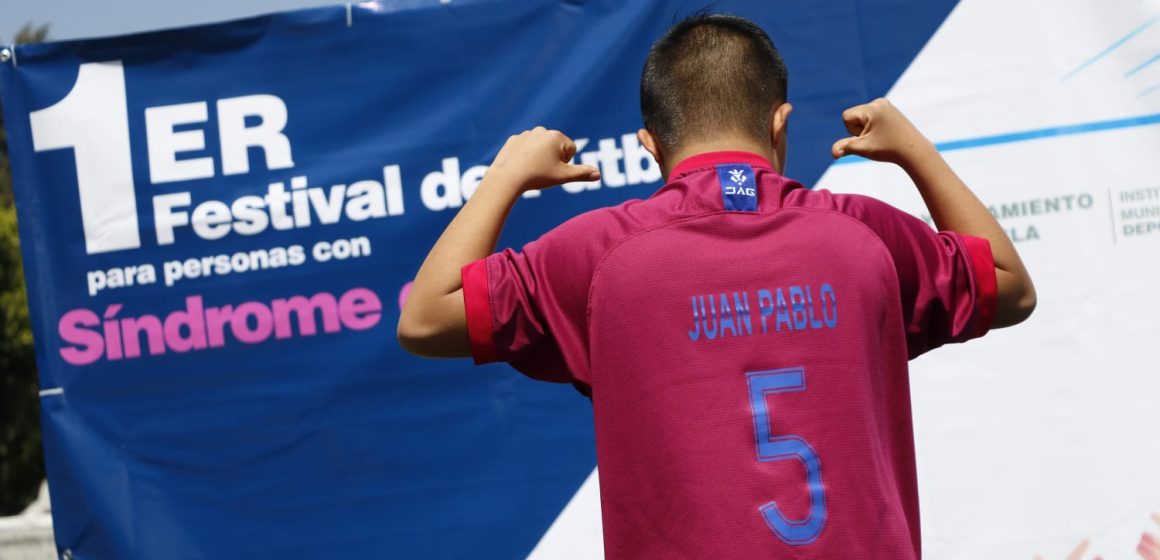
[(882, 133), (433, 319), (529, 307), (947, 283)]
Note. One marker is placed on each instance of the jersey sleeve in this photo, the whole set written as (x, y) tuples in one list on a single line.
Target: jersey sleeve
[(529, 307), (946, 280)]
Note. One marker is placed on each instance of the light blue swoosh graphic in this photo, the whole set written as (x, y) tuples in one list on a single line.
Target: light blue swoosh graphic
[(1119, 43), (1149, 90), (1036, 134), (1150, 61)]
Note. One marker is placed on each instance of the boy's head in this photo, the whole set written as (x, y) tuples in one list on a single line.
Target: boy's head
[(713, 82)]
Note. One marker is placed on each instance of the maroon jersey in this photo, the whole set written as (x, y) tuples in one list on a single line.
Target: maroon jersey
[(745, 344)]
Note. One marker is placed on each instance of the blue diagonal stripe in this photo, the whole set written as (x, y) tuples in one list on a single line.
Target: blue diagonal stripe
[(1109, 50), (1150, 62), (1149, 90), (1037, 134)]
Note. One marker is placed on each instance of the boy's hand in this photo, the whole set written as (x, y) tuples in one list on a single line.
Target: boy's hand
[(537, 159), (881, 133), (433, 321)]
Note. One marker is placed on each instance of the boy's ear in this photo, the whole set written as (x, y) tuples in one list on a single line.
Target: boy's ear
[(778, 133), (650, 143)]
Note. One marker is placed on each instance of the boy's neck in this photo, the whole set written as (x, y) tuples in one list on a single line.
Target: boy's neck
[(722, 145)]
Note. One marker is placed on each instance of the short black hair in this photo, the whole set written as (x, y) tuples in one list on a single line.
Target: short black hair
[(708, 75)]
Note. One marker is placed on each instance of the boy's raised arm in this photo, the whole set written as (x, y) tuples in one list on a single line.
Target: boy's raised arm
[(434, 322), (882, 133)]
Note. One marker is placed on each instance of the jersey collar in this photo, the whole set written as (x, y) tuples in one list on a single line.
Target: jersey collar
[(712, 159)]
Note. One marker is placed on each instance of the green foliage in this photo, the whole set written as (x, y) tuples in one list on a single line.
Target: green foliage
[(21, 463), (21, 459), (31, 33)]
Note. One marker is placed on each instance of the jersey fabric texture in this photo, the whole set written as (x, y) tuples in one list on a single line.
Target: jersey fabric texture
[(745, 344)]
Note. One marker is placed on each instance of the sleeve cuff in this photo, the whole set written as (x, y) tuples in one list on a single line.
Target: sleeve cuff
[(477, 304), (986, 285)]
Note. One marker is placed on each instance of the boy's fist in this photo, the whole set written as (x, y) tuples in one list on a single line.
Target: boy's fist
[(539, 158), (881, 133)]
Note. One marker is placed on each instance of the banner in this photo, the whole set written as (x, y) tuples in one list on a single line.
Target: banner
[(1036, 439), (219, 225)]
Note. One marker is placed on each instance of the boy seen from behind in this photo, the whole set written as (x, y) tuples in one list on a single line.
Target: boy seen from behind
[(744, 340)]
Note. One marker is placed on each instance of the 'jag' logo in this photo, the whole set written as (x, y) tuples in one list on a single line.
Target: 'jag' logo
[(738, 188)]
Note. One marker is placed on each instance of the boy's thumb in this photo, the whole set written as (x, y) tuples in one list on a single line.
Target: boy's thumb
[(846, 147), (575, 172)]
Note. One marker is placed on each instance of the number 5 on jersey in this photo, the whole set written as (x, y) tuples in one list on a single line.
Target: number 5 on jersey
[(783, 448)]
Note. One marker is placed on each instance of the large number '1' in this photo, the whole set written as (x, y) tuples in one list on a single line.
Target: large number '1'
[(93, 120), (784, 448)]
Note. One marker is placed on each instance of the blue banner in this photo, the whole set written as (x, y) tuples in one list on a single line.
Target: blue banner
[(219, 224)]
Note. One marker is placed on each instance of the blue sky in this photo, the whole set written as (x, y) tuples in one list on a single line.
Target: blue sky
[(73, 19)]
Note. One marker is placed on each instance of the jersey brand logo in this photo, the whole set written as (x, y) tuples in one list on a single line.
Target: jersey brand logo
[(746, 191), (738, 188)]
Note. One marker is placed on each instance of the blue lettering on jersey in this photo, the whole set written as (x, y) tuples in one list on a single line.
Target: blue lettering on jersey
[(744, 318), (782, 311), (798, 299), (714, 318), (764, 302), (726, 317), (829, 306), (738, 187)]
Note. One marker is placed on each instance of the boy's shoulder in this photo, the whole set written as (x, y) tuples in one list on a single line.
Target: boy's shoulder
[(598, 229), (868, 210)]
